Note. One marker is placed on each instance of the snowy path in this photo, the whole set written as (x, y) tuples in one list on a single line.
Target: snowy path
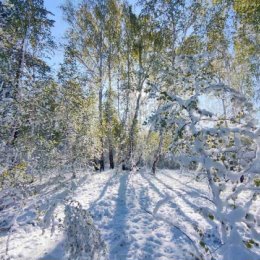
[(139, 216), (136, 214)]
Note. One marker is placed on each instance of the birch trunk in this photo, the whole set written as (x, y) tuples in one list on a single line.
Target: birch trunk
[(137, 107), (100, 105), (158, 152)]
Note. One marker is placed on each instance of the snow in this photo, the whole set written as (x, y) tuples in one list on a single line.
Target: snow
[(139, 216)]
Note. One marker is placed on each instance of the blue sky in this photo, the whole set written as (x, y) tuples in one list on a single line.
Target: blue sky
[(58, 30)]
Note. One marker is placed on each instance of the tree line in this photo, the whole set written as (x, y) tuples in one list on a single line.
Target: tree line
[(107, 99)]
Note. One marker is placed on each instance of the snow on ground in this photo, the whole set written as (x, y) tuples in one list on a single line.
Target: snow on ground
[(139, 216)]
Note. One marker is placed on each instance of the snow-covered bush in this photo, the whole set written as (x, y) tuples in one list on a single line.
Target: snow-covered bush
[(83, 240), (224, 148), (15, 176)]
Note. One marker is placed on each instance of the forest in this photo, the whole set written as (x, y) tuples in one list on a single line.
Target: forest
[(143, 143)]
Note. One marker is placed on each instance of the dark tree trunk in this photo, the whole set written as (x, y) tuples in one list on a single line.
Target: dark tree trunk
[(111, 158), (102, 162), (100, 108), (158, 153)]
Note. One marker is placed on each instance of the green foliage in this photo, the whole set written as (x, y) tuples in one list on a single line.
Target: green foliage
[(251, 243), (248, 11), (211, 216), (257, 182), (202, 244), (192, 45), (15, 176)]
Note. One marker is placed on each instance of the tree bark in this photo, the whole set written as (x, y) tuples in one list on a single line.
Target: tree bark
[(137, 107), (158, 152), (100, 105), (128, 88), (109, 111)]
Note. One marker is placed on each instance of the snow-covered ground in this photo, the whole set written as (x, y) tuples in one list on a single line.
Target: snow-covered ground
[(140, 216)]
